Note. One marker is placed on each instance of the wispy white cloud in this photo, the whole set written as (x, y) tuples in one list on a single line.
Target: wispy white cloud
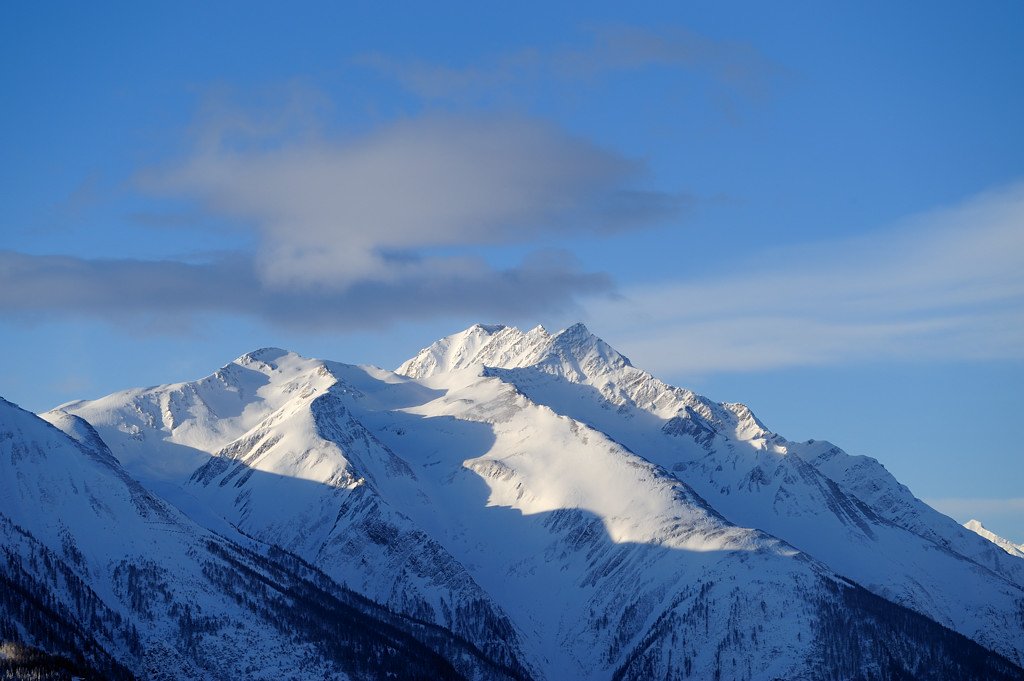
[(358, 232), (372, 226), (336, 214), (605, 50), (948, 284)]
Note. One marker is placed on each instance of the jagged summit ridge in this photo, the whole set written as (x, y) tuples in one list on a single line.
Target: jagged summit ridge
[(568, 513), (181, 424), (582, 358), (812, 495), (1005, 544), (267, 354), (479, 344), (575, 350)]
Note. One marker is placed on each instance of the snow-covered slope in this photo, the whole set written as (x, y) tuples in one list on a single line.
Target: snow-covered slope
[(285, 462), (97, 569), (572, 516), (846, 511)]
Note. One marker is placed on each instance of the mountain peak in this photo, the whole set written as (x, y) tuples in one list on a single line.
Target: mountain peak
[(577, 329), (267, 356), (507, 347), (479, 343), (578, 333), (547, 501), (1005, 544), (275, 364), (588, 354), (490, 329)]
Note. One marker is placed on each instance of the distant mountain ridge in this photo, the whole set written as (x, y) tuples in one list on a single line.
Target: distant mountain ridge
[(1005, 544), (561, 512)]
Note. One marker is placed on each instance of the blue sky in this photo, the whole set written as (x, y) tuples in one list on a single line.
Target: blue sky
[(816, 209)]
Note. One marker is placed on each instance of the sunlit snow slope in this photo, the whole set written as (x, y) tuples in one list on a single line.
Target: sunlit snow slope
[(572, 516), (1005, 544), (846, 511), (96, 569)]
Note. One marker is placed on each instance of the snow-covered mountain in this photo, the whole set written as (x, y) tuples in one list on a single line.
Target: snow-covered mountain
[(847, 511), (1005, 544), (571, 516), (111, 581)]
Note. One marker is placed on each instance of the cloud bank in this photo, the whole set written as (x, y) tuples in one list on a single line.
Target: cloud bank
[(362, 232), (169, 297), (945, 285)]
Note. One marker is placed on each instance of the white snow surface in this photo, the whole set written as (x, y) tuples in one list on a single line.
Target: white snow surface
[(137, 552), (542, 479), (1005, 544)]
